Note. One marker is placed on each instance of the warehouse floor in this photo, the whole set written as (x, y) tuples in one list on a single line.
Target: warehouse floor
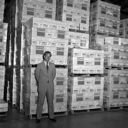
[(111, 119)]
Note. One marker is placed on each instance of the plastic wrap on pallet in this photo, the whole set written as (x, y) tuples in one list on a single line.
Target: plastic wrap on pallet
[(22, 63), (85, 92), (48, 33), (123, 28), (3, 106), (104, 18), (40, 29), (46, 24), (2, 80), (22, 46), (105, 27), (42, 35), (40, 9), (115, 56), (80, 101), (74, 11), (116, 41), (3, 33), (59, 52), (96, 41), (17, 91), (78, 40), (87, 61), (83, 82), (2, 6), (1, 93), (14, 90), (105, 9), (124, 41), (80, 5), (3, 39), (116, 88)]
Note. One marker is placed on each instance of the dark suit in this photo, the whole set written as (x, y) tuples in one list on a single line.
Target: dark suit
[(45, 87)]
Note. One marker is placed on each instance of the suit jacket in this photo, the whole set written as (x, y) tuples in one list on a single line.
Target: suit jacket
[(43, 77)]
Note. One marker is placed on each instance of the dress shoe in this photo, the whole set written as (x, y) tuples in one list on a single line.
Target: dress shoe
[(52, 119), (37, 120)]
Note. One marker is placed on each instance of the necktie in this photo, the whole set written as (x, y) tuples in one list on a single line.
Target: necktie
[(47, 66)]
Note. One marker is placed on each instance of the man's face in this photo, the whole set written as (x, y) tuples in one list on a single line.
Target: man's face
[(47, 57)]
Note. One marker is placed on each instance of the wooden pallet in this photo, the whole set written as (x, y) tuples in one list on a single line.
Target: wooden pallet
[(115, 67), (2, 63), (45, 115), (105, 34), (117, 108), (85, 111), (86, 75), (61, 66), (3, 114), (77, 30)]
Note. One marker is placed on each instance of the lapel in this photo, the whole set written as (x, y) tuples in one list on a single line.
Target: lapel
[(44, 66)]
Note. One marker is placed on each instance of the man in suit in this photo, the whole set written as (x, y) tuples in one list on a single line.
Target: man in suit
[(45, 74)]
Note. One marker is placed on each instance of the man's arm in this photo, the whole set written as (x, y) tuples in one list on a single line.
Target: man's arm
[(37, 72), (54, 72)]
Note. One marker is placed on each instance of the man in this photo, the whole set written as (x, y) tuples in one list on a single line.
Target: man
[(45, 74)]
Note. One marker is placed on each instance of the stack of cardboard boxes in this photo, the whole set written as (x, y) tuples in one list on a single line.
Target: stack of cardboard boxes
[(3, 39)]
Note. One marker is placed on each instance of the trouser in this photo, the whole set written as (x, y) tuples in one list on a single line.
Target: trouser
[(49, 93)]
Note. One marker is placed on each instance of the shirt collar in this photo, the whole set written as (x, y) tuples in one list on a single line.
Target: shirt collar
[(46, 63)]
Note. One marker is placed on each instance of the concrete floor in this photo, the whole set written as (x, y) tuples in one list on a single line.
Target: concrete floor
[(113, 119)]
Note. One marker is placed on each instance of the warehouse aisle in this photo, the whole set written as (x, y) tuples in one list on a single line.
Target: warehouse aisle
[(114, 119)]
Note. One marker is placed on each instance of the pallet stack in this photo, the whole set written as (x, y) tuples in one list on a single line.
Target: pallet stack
[(3, 41), (16, 67), (116, 89), (104, 21), (85, 85), (122, 95), (20, 12), (123, 28), (75, 13), (85, 93), (2, 6), (9, 17), (104, 35), (62, 27), (116, 69), (42, 35)]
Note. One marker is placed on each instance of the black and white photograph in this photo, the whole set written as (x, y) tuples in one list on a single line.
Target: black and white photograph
[(63, 63)]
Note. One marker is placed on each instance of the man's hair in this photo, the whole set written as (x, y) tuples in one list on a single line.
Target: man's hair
[(45, 53)]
